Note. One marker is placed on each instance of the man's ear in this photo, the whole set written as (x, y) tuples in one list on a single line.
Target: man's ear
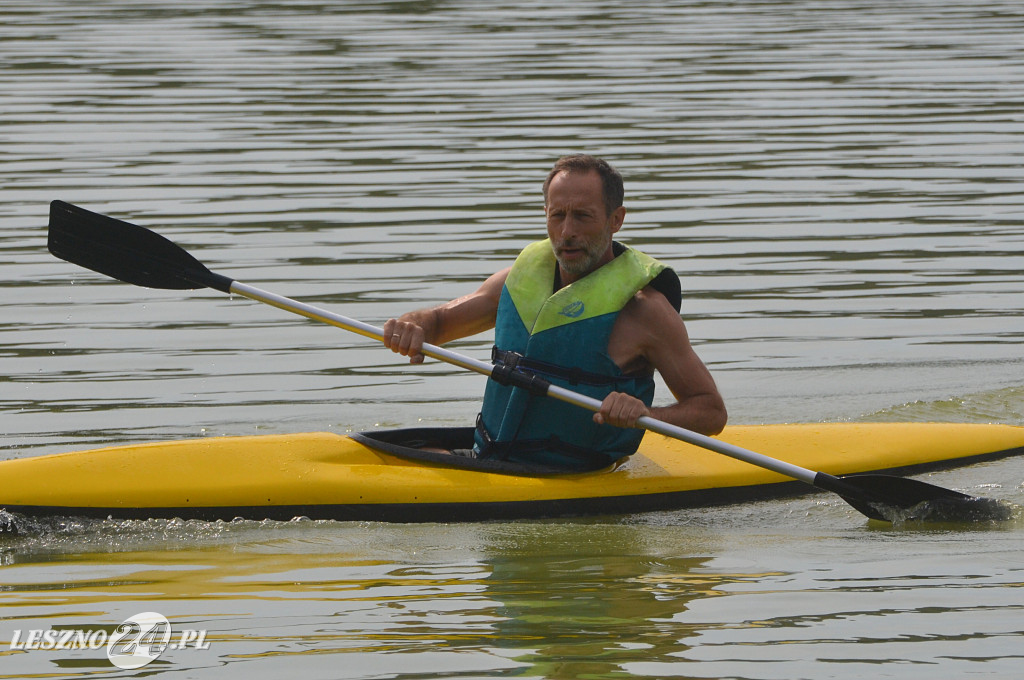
[(617, 217)]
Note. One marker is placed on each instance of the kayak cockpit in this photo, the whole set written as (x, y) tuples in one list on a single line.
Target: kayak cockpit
[(445, 446)]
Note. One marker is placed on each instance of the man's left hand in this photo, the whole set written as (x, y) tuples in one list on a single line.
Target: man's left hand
[(621, 410)]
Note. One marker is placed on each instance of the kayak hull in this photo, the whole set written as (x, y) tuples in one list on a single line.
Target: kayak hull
[(331, 476)]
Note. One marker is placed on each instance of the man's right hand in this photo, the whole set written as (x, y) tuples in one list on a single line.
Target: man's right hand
[(464, 316), (405, 337)]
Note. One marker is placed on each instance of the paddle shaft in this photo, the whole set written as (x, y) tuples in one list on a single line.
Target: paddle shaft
[(562, 394)]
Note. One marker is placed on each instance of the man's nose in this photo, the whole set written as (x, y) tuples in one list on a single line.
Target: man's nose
[(568, 227)]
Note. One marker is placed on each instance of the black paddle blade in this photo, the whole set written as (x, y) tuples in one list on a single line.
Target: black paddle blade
[(125, 251), (898, 499)]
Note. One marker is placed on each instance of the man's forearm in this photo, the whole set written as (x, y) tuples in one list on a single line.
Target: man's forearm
[(705, 414)]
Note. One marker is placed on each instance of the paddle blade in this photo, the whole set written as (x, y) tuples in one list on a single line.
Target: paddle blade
[(126, 252), (898, 499)]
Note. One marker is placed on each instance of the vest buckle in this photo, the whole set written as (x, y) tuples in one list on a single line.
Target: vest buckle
[(506, 372)]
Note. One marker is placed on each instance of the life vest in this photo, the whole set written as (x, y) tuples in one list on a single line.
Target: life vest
[(563, 337)]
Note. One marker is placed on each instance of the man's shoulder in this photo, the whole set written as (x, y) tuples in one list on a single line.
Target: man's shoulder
[(647, 322), (650, 305)]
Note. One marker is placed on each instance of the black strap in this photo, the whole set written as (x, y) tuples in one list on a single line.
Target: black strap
[(407, 443), (513, 361), (495, 450), (667, 283)]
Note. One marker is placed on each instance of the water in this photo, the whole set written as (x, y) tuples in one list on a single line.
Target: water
[(836, 183)]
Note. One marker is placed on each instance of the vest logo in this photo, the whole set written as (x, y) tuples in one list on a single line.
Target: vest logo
[(573, 309)]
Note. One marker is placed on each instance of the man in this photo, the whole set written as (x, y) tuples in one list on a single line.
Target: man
[(584, 312)]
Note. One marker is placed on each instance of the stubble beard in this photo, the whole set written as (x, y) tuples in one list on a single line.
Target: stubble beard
[(594, 250)]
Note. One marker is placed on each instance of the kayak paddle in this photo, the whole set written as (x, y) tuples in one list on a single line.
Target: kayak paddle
[(139, 256)]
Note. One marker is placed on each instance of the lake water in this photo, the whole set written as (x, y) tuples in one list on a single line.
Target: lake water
[(838, 185)]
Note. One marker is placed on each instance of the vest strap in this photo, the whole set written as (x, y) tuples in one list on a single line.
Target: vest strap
[(574, 375), (495, 450)]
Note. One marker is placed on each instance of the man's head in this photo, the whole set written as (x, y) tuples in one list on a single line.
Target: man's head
[(611, 180), (583, 205)]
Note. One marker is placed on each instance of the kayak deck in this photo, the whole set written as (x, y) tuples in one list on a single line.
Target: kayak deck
[(331, 476)]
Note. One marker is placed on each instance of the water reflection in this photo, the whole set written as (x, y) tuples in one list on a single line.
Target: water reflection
[(650, 599), (550, 600)]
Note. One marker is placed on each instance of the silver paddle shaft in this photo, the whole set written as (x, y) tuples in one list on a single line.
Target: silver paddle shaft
[(560, 393)]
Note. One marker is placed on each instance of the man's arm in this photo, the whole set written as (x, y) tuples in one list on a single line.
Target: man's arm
[(652, 333), (464, 316)]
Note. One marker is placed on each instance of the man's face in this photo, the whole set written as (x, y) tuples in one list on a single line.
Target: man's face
[(579, 227)]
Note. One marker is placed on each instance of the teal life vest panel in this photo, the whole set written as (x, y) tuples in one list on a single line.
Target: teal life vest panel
[(563, 337)]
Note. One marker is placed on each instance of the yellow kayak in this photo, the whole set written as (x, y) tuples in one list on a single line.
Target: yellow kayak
[(364, 477)]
